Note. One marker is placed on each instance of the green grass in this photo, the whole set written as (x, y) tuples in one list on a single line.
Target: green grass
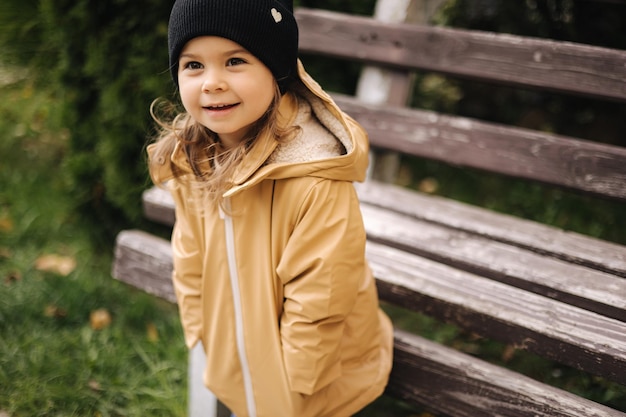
[(52, 362)]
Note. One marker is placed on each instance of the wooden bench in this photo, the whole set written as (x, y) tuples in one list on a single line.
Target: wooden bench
[(554, 293)]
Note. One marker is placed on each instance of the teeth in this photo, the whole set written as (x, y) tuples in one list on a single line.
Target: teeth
[(219, 106)]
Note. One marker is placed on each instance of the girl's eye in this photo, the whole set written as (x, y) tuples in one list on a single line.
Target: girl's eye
[(192, 65), (235, 61)]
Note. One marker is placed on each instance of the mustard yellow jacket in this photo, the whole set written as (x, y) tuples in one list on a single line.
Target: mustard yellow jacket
[(278, 289)]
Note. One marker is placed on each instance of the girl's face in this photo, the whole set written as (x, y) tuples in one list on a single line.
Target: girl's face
[(224, 87)]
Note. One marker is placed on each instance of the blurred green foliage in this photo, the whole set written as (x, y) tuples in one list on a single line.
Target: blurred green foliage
[(105, 62)]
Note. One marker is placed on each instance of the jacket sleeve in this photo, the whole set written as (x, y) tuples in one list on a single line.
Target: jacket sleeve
[(187, 273), (321, 268)]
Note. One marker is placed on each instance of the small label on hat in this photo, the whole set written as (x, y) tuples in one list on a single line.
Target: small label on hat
[(276, 15)]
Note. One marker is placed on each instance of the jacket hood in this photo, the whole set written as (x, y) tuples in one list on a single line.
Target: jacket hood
[(330, 143)]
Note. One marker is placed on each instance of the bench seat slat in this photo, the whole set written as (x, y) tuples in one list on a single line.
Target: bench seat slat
[(570, 163), (536, 237), (509, 59), (158, 206), (576, 285), (558, 331), (144, 261), (424, 373), (450, 382)]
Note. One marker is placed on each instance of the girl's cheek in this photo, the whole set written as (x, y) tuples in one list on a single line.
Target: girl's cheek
[(185, 100)]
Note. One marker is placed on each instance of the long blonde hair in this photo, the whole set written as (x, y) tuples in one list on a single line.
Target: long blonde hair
[(212, 164)]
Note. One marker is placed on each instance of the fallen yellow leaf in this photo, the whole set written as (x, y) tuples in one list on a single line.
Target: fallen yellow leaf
[(61, 265), (94, 385), (99, 319), (153, 333), (5, 253), (6, 224), (428, 185), (54, 311), (508, 353)]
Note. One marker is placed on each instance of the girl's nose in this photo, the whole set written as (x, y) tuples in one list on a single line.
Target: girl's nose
[(213, 82)]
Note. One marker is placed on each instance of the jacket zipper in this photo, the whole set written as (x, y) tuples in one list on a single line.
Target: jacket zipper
[(234, 282)]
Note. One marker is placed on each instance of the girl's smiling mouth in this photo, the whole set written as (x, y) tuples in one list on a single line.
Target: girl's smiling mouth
[(220, 107)]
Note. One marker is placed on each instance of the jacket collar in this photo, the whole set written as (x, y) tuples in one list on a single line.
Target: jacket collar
[(265, 145)]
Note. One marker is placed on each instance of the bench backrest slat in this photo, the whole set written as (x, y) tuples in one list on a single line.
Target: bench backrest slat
[(571, 163), (585, 166), (509, 59)]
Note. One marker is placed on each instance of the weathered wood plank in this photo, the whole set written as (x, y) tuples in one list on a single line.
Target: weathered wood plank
[(586, 166), (451, 383), (391, 86), (516, 60), (555, 330), (576, 285), (145, 262), (536, 237), (158, 206)]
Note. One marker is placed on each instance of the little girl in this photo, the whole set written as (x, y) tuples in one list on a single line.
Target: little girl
[(269, 244)]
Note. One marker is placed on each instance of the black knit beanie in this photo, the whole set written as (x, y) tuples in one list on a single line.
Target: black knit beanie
[(266, 28)]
